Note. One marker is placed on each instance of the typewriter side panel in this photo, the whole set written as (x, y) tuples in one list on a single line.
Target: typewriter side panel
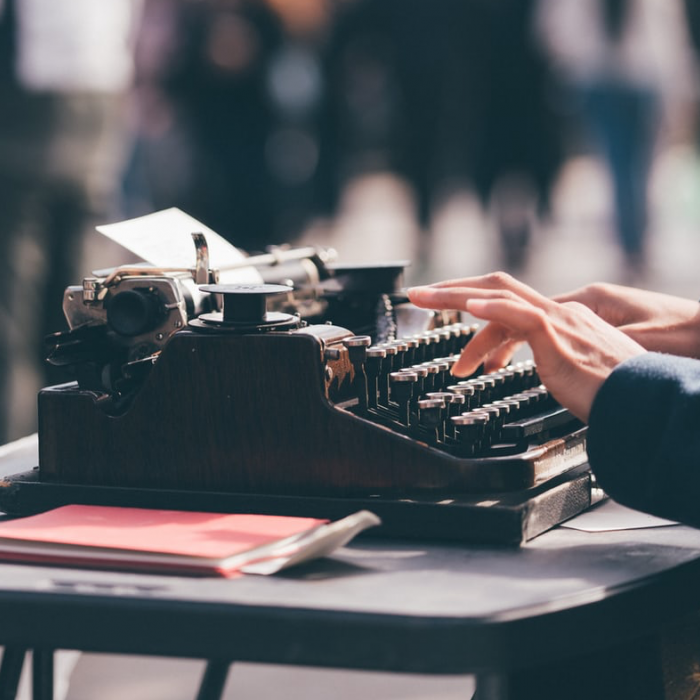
[(252, 413)]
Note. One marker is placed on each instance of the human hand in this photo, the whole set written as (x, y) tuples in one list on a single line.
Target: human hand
[(574, 349), (658, 322)]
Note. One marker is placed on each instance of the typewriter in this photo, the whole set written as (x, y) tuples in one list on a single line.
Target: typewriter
[(318, 390)]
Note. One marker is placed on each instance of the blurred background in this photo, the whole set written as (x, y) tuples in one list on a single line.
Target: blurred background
[(555, 139)]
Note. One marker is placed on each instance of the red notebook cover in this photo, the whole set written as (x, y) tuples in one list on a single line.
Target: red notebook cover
[(146, 539)]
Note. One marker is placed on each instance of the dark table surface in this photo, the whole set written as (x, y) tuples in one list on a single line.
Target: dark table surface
[(386, 605)]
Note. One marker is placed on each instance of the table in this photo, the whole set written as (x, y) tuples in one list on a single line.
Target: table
[(569, 614)]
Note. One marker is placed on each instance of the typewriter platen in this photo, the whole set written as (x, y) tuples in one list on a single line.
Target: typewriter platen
[(310, 392)]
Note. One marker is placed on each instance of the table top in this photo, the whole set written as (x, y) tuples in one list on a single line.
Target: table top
[(384, 605)]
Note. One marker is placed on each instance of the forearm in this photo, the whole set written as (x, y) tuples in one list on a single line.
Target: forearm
[(644, 436), (674, 337)]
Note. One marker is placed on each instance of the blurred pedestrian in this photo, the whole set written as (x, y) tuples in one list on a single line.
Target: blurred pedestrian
[(64, 73), (204, 115), (448, 95), (623, 61)]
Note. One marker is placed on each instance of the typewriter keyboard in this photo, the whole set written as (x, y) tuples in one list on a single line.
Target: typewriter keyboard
[(407, 386)]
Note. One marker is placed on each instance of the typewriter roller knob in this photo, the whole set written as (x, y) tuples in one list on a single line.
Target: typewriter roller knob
[(245, 309)]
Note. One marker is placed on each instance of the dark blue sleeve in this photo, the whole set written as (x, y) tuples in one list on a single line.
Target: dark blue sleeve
[(644, 436)]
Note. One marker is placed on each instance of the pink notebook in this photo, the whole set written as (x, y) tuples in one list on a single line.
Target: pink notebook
[(153, 540)]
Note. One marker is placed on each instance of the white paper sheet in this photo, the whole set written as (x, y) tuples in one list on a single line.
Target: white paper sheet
[(164, 239), (320, 542), (609, 515)]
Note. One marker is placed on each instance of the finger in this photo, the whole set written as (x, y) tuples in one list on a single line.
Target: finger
[(453, 297), (597, 294), (577, 295), (601, 299), (494, 281), (519, 319), (480, 348), (501, 356)]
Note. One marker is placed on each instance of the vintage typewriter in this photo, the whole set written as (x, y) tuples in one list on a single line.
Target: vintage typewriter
[(318, 390)]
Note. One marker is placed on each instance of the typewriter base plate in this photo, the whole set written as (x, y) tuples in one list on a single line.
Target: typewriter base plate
[(504, 518)]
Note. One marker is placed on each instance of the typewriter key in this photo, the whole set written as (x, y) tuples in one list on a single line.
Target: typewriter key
[(453, 346), (430, 380), (430, 416), (445, 336), (470, 429), (402, 384), (454, 404), (489, 390), (411, 349), (357, 352), (496, 419), (422, 372), (479, 391), (421, 353), (527, 402), (456, 407), (499, 384), (508, 379), (391, 357), (466, 333), (463, 389), (513, 407), (373, 368), (433, 346), (519, 379), (442, 375), (490, 428), (401, 350)]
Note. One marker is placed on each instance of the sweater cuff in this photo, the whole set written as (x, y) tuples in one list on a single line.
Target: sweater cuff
[(642, 429)]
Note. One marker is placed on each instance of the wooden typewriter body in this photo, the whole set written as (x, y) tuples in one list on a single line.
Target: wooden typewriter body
[(273, 412)]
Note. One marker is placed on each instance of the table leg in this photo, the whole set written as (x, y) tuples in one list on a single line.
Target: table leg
[(10, 671), (631, 670), (42, 674), (213, 681)]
